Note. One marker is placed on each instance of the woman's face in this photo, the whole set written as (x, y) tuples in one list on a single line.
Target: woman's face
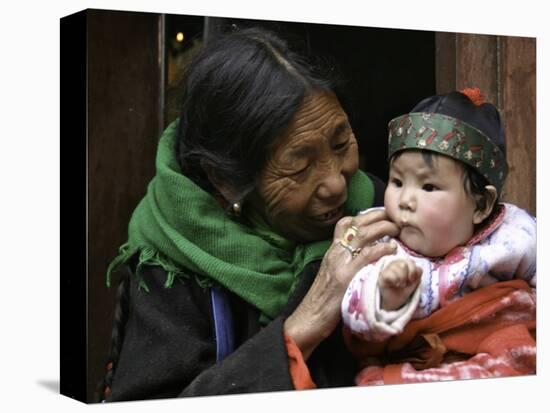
[(302, 190)]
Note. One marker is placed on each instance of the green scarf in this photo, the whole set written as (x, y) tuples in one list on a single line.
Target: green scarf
[(179, 227)]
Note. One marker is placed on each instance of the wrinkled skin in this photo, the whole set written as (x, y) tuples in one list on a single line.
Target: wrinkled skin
[(301, 193), (303, 187), (319, 312)]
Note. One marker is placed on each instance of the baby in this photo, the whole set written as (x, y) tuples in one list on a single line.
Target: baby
[(447, 169)]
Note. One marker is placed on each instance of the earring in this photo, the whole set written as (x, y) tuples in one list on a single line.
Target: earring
[(236, 209)]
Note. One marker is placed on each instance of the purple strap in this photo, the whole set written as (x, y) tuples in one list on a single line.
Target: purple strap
[(223, 322)]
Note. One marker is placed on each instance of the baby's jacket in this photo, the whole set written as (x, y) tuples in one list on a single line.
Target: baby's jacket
[(504, 249)]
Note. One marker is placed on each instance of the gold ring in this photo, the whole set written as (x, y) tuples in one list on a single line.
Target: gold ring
[(353, 251), (344, 243), (350, 234)]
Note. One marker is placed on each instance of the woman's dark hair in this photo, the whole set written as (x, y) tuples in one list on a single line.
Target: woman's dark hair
[(241, 92)]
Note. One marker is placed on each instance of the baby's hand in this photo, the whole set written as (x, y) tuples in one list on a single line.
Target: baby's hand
[(397, 281)]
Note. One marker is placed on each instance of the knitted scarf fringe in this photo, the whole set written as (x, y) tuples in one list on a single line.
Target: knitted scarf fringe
[(151, 257)]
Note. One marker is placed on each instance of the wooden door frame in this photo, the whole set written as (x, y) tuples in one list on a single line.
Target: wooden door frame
[(504, 68)]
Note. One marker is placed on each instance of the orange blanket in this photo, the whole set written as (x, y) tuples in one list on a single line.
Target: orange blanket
[(488, 333)]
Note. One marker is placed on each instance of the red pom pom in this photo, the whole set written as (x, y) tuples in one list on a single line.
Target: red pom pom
[(474, 94)]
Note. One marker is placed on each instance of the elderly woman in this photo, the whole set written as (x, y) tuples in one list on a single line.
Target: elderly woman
[(240, 252)]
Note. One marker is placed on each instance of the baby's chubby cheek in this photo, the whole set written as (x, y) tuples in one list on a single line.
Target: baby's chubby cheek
[(434, 221), (391, 211)]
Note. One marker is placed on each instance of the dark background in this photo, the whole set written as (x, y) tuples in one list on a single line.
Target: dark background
[(383, 72)]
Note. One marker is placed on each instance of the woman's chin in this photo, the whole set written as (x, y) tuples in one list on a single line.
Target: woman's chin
[(324, 229)]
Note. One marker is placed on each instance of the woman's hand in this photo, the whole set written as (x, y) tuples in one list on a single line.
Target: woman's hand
[(319, 312)]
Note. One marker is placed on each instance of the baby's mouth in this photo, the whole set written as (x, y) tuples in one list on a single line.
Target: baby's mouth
[(404, 221), (405, 224)]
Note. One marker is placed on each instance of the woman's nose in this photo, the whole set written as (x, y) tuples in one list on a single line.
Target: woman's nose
[(333, 185)]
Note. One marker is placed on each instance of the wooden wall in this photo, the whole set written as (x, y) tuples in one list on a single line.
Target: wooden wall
[(125, 119), (504, 68)]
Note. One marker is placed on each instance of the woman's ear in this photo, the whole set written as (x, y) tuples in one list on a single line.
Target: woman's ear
[(223, 188), (483, 209)]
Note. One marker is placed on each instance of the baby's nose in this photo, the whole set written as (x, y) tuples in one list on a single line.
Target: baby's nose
[(407, 201)]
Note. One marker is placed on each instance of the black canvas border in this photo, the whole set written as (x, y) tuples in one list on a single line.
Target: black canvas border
[(73, 205)]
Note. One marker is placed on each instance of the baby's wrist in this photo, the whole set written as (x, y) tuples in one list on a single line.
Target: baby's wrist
[(393, 300)]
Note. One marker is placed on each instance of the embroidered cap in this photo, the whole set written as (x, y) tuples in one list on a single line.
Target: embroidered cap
[(458, 126)]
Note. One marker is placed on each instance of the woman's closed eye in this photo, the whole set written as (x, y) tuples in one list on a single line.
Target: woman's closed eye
[(341, 145), (342, 135), (301, 170)]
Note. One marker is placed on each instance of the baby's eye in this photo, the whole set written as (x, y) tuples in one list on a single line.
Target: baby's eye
[(429, 187), (396, 182)]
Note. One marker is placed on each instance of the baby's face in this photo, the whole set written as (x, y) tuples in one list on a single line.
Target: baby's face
[(429, 203)]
